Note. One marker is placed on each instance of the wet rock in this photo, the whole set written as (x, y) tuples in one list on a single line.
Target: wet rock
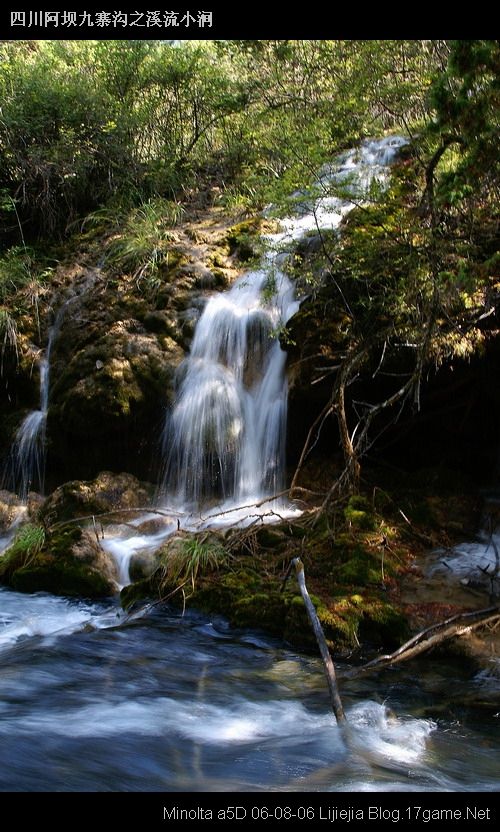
[(87, 551), (10, 508), (154, 525), (143, 565)]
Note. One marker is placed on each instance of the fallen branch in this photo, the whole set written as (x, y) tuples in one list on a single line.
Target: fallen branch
[(329, 667), (247, 505), (114, 512), (429, 638)]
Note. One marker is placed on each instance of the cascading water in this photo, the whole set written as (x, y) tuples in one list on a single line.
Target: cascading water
[(225, 437), (28, 451), (224, 440), (26, 467), (91, 704), (227, 429)]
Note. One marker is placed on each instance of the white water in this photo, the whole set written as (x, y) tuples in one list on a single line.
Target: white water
[(28, 451), (341, 185), (473, 566), (225, 436), (26, 468), (89, 703), (24, 616)]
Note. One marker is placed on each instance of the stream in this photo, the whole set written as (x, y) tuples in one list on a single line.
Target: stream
[(93, 700)]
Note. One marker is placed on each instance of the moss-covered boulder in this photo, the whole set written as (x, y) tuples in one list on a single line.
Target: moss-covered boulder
[(108, 492), (113, 365), (67, 561), (116, 344)]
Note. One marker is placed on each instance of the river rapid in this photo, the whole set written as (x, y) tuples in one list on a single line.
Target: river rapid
[(93, 700)]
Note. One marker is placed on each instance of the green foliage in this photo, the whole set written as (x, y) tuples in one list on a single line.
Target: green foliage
[(465, 99), (16, 271), (29, 539), (193, 557), (8, 334), (144, 238), (85, 123), (26, 545), (23, 283), (124, 132), (397, 280)]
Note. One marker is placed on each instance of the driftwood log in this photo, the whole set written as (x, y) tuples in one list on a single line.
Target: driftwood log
[(458, 625)]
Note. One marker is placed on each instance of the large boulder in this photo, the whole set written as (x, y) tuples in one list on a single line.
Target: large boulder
[(108, 492), (113, 363)]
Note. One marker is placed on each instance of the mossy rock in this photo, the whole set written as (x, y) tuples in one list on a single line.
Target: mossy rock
[(340, 627), (67, 562), (142, 565), (382, 625), (107, 492), (113, 364), (296, 626), (224, 592), (62, 578), (244, 239), (359, 568), (262, 609), (157, 320), (122, 374), (138, 592), (359, 513)]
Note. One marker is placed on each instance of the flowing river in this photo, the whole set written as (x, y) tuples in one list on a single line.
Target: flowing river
[(94, 701)]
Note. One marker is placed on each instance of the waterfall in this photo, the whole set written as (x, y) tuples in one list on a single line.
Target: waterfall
[(28, 454), (26, 467), (225, 436), (226, 432)]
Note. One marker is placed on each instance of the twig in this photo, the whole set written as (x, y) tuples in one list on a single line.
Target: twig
[(249, 505), (95, 529), (306, 450)]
